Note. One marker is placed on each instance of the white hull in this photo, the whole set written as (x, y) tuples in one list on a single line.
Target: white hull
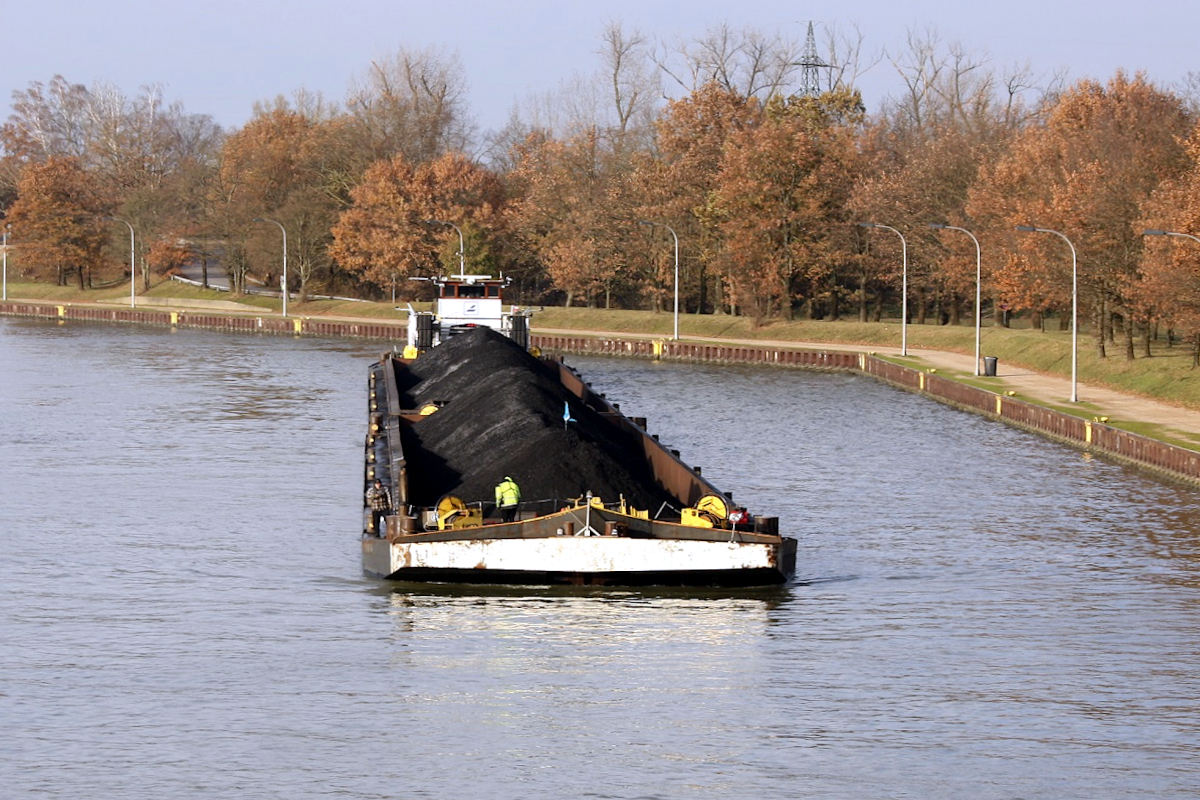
[(580, 559), (581, 554)]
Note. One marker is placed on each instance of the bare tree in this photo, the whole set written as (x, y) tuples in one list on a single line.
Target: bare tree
[(950, 85), (48, 120), (846, 59), (748, 63), (1189, 90), (631, 79), (615, 105), (413, 103)]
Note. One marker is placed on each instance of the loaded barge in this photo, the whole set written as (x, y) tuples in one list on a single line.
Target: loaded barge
[(467, 406)]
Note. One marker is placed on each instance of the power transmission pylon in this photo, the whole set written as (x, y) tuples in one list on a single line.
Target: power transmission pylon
[(811, 64)]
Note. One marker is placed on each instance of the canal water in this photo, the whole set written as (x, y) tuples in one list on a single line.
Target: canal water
[(978, 612)]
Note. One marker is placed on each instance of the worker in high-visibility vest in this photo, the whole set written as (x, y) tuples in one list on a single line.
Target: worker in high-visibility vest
[(508, 497)]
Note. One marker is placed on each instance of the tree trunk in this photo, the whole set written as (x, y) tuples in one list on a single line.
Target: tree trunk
[(862, 299), (1129, 354), (1146, 330)]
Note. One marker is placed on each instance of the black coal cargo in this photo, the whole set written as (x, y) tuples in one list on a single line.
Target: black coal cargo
[(502, 415)]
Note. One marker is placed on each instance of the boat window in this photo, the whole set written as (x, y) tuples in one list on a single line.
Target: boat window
[(493, 290), (470, 290)]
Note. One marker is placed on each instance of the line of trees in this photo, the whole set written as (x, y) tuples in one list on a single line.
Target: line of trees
[(762, 184)]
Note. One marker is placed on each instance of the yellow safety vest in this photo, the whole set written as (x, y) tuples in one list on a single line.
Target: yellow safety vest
[(507, 494)]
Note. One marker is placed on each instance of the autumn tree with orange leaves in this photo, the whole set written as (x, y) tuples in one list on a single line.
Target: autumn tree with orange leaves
[(1085, 171), (1168, 282), (144, 155), (926, 148), (58, 218), (291, 165), (570, 212), (386, 233), (677, 187), (780, 195)]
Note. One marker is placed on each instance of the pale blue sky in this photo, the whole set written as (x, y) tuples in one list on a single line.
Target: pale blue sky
[(220, 56)]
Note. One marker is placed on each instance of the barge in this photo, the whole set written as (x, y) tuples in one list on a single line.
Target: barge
[(467, 406)]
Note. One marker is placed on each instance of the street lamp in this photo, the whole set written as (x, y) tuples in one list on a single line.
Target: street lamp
[(283, 283), (1074, 306), (6, 227), (1170, 233), (674, 236), (937, 226), (132, 263), (903, 284), (462, 270)]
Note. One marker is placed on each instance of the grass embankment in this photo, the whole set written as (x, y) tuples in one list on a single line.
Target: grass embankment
[(1167, 376)]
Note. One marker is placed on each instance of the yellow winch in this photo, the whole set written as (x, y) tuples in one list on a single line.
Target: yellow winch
[(710, 511)]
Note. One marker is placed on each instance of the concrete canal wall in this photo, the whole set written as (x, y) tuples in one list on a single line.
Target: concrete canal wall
[(1164, 459), (207, 320)]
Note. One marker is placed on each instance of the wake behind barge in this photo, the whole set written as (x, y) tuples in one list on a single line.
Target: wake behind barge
[(603, 502)]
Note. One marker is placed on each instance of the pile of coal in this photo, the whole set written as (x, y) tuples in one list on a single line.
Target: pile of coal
[(502, 414)]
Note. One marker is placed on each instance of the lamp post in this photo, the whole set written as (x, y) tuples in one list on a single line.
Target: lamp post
[(6, 263), (462, 270), (676, 238), (903, 283), (1074, 306), (283, 282), (132, 262), (1171, 233), (937, 226)]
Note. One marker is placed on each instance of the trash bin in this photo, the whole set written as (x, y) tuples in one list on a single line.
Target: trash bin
[(989, 366)]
